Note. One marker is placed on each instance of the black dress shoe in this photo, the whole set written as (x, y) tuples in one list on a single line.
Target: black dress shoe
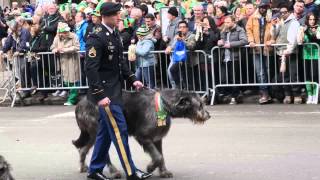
[(97, 176), (139, 175)]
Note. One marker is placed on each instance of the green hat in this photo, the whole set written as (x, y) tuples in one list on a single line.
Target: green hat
[(26, 16), (96, 13), (82, 6), (128, 22), (63, 27), (143, 30)]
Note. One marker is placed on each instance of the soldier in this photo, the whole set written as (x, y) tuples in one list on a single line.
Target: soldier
[(105, 68)]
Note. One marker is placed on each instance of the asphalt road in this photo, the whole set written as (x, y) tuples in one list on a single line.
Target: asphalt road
[(243, 142)]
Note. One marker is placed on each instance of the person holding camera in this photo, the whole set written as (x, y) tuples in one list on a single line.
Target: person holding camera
[(189, 39)]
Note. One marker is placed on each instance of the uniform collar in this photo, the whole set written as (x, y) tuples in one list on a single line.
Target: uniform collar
[(108, 28)]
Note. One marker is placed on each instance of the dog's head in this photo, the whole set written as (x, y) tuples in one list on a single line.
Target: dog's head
[(187, 105)]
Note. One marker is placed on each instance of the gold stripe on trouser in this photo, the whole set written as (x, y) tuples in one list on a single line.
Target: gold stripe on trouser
[(119, 140)]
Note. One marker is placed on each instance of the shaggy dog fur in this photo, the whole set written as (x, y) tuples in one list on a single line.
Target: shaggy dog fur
[(5, 169), (140, 113)]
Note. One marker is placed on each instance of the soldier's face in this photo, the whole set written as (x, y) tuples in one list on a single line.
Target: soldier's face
[(112, 20)]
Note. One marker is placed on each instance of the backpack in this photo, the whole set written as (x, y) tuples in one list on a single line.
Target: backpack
[(180, 52)]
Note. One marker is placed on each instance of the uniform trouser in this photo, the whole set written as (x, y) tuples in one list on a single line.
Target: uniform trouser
[(112, 127)]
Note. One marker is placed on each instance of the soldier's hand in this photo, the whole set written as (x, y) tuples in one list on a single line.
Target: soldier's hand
[(104, 102), (138, 85)]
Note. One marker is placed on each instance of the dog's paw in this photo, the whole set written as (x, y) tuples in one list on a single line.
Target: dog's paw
[(114, 172), (115, 175), (84, 169), (166, 174), (151, 167)]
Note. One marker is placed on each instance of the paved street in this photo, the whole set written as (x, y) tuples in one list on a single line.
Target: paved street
[(243, 142)]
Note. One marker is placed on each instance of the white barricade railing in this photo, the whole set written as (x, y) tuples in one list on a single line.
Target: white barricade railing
[(47, 71), (259, 66), (7, 79)]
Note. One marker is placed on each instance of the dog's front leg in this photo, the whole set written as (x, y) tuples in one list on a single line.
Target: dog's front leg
[(155, 155), (164, 173)]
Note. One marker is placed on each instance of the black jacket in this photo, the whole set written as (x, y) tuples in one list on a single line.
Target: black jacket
[(105, 66), (38, 44), (49, 27)]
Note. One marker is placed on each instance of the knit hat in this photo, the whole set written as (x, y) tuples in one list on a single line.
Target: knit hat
[(173, 11), (63, 27), (143, 30)]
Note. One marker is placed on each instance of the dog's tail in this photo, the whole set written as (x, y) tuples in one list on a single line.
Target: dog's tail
[(87, 115)]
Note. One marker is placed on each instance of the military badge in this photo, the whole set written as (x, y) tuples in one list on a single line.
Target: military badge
[(98, 29), (92, 52)]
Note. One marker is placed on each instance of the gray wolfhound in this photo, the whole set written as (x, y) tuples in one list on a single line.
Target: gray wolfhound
[(145, 122)]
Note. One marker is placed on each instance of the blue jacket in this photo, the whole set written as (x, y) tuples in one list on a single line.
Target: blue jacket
[(143, 49), (81, 34), (22, 46)]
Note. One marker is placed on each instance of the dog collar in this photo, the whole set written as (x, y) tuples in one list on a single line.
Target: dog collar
[(161, 113)]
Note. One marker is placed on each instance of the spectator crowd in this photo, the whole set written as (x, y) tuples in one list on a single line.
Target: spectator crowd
[(27, 30)]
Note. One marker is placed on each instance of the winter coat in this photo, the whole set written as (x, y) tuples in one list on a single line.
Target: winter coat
[(3, 30), (172, 30), (143, 51), (281, 34), (208, 41), (37, 44), (49, 27), (81, 34), (254, 32), (18, 44), (237, 38), (69, 59)]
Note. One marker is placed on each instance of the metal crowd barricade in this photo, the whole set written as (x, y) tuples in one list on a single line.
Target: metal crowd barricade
[(246, 61), (48, 71), (7, 78), (191, 75)]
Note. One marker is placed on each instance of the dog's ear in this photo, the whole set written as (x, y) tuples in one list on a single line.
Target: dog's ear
[(184, 102)]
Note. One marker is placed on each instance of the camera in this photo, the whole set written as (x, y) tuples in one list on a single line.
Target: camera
[(180, 34)]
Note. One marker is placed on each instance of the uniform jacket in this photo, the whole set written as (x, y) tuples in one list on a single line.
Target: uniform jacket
[(105, 65)]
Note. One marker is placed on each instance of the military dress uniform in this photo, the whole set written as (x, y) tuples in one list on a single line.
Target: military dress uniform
[(105, 69)]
